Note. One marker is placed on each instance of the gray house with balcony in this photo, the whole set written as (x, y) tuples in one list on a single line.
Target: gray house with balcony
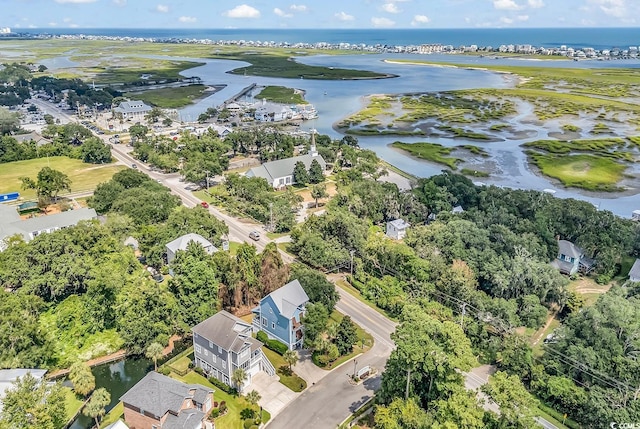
[(572, 259), (223, 343)]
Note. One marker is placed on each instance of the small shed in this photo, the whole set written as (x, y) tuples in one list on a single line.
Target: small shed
[(457, 209), (182, 242), (397, 229)]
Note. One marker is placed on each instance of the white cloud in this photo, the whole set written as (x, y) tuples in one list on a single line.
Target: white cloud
[(187, 19), (615, 8), (522, 18), (162, 8), (506, 5), (343, 16), (281, 13), (243, 11), (120, 2), (53, 24), (506, 20), (66, 20), (390, 8), (536, 4), (298, 8), (420, 19), (382, 22)]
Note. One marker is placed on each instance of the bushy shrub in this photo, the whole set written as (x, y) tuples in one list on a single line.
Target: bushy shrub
[(215, 412), (199, 370), (164, 370), (223, 406), (222, 386), (276, 346), (262, 337), (248, 413)]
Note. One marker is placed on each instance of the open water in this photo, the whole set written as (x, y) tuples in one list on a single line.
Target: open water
[(599, 38)]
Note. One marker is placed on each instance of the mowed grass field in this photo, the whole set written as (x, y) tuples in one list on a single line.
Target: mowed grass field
[(83, 176)]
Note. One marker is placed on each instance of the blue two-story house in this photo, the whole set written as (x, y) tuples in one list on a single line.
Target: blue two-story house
[(280, 313)]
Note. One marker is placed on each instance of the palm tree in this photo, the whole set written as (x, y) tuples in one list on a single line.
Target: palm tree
[(95, 408), (82, 378), (154, 351), (253, 397), (290, 357), (238, 377)]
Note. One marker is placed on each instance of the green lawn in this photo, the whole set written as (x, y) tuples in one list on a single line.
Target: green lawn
[(292, 381), (83, 176), (182, 364), (231, 420), (593, 173), (72, 403), (281, 94), (170, 98), (112, 416)]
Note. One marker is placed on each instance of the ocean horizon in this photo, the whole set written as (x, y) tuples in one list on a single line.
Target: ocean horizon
[(597, 38)]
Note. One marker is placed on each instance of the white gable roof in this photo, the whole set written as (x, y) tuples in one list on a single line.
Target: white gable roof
[(288, 298)]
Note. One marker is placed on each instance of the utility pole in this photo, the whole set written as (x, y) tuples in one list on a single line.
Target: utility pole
[(462, 313), (271, 217), (207, 172), (352, 251), (355, 368)]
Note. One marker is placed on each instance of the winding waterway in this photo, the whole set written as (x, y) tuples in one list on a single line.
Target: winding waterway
[(335, 100)]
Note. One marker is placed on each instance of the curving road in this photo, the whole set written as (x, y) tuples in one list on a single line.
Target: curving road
[(334, 398)]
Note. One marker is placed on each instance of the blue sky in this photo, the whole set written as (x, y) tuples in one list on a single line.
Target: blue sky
[(317, 13)]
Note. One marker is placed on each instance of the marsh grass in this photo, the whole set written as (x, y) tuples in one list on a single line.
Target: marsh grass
[(431, 152)]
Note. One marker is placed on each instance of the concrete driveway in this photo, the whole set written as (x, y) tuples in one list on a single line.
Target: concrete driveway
[(274, 395)]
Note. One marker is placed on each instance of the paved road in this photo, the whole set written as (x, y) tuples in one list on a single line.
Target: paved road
[(333, 399)]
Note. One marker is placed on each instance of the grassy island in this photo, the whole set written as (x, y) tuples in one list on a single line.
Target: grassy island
[(170, 98), (280, 64), (282, 94)]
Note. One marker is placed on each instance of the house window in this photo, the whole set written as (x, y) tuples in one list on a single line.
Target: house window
[(219, 349), (198, 349), (224, 365), (214, 358), (210, 345), (273, 325), (206, 352), (264, 321)]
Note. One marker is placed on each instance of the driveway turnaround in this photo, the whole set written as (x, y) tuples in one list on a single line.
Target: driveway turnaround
[(274, 395)]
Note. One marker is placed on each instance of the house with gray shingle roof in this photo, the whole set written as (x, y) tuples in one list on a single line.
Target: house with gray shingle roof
[(571, 259), (181, 243), (280, 173), (160, 402), (12, 224), (132, 109), (634, 273), (397, 229), (280, 313), (223, 343)]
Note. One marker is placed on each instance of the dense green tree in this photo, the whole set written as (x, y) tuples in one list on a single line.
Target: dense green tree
[(198, 220), (147, 204), (48, 184), (31, 403), (145, 313), (346, 336), (300, 174), (273, 271), (23, 344), (316, 175), (82, 378), (9, 121), (429, 354), (315, 322), (517, 406), (94, 151), (138, 132), (401, 414), (459, 409), (316, 285), (195, 285)]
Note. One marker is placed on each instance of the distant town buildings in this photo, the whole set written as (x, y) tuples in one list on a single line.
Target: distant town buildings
[(133, 109)]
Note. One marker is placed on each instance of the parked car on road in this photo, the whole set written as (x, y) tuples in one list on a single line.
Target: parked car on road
[(205, 204)]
